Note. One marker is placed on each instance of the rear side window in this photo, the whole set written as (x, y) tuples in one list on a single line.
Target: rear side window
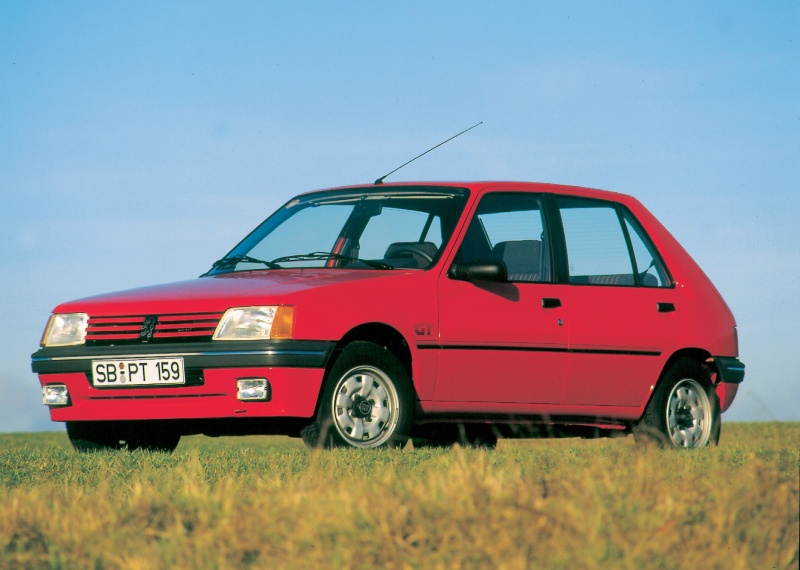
[(650, 270), (605, 248)]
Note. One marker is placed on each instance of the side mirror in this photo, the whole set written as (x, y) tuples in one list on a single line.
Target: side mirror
[(493, 271)]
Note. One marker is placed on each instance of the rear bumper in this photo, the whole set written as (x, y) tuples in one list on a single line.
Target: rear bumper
[(730, 373), (730, 369), (294, 370)]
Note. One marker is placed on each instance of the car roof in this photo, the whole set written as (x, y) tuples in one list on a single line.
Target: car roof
[(475, 186)]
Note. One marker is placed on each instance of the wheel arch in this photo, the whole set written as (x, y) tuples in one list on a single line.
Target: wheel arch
[(375, 333), (699, 355), (656, 423)]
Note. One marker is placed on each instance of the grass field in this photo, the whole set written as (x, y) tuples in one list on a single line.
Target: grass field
[(264, 502)]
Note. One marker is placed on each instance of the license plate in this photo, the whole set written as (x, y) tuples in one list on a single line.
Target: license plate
[(128, 372)]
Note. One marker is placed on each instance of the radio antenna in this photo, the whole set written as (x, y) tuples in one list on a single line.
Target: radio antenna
[(380, 180)]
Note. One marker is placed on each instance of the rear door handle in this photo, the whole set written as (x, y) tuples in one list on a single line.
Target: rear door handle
[(666, 307), (550, 303)]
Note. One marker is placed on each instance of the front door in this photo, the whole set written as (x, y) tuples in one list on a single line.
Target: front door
[(503, 342)]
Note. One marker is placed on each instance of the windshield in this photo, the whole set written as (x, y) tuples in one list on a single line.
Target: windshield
[(383, 228)]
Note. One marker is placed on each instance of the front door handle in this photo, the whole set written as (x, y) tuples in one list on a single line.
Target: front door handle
[(666, 307), (550, 303)]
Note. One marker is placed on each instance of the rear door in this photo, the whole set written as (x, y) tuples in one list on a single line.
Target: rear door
[(621, 308)]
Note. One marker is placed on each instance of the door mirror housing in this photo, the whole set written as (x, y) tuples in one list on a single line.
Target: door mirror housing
[(492, 271)]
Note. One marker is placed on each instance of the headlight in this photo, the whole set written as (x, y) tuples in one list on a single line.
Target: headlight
[(256, 323), (65, 329)]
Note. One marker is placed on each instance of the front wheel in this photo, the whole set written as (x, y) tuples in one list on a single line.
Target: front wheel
[(684, 411), (87, 437), (114, 435), (367, 401), (152, 436)]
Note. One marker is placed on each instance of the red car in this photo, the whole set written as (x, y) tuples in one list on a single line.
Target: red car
[(442, 312)]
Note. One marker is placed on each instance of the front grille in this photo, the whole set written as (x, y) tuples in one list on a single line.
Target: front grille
[(135, 329)]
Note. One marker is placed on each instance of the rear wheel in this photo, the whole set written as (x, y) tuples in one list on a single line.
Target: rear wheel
[(367, 401), (684, 411)]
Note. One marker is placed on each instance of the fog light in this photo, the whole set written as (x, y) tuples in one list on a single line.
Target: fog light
[(55, 395), (253, 389)]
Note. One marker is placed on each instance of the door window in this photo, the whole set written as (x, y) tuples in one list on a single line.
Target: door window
[(508, 227), (605, 247), (597, 251)]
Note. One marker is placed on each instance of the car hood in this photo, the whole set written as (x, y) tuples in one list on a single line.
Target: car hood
[(220, 292)]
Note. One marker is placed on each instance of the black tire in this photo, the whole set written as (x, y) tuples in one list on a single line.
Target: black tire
[(151, 436), (684, 410), (88, 437), (478, 436), (367, 401)]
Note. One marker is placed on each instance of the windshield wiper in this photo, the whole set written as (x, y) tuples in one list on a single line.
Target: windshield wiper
[(317, 255), (234, 259)]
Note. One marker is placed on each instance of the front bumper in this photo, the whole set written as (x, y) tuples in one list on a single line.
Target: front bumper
[(294, 369), (196, 355)]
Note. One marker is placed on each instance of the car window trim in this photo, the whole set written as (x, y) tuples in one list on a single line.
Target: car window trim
[(637, 225), (558, 240), (469, 216)]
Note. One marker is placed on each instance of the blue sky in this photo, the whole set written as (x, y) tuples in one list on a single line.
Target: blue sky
[(140, 141)]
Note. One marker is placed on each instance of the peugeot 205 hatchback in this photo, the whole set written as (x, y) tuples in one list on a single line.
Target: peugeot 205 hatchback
[(442, 312)]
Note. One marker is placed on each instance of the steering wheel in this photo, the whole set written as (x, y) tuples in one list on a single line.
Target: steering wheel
[(413, 252)]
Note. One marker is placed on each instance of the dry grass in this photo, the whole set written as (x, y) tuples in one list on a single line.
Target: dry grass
[(267, 502)]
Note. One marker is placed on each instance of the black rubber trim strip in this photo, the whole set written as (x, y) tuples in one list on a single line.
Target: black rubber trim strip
[(539, 349), (227, 354)]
